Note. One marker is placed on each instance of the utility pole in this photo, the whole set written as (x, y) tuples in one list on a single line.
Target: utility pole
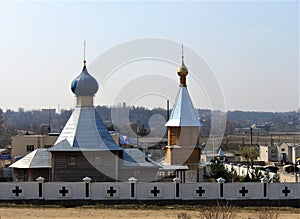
[(137, 132), (168, 110), (251, 128)]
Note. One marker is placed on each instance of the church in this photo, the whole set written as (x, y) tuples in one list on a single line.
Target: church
[(85, 148)]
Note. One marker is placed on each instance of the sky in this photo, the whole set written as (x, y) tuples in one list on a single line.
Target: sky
[(251, 47)]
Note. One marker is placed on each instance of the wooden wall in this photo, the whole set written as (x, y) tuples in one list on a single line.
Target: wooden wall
[(186, 138), (100, 166)]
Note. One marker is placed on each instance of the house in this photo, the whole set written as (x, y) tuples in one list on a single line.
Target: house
[(283, 152), (288, 152)]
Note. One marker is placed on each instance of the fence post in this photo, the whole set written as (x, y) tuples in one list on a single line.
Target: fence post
[(177, 187), (265, 181), (221, 186), (40, 180), (87, 187), (132, 181)]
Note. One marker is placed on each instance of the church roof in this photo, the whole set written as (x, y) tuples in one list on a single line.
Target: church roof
[(220, 153), (183, 113), (39, 158), (85, 131), (134, 157)]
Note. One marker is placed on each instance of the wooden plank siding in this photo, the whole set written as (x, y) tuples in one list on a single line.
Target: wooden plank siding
[(185, 137), (96, 165)]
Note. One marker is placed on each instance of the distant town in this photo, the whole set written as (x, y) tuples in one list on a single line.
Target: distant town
[(269, 129)]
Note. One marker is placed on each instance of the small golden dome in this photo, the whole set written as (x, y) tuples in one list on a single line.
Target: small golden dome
[(182, 70)]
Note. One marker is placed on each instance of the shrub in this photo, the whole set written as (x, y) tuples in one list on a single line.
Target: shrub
[(219, 212), (267, 215), (184, 215)]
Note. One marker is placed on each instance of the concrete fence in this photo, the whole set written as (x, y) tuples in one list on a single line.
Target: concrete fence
[(134, 190)]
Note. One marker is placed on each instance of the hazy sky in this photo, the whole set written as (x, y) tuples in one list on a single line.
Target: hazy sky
[(251, 46)]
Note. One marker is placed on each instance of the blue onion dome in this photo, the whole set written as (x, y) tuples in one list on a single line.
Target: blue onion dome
[(84, 84)]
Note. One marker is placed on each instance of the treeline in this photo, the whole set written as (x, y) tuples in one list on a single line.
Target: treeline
[(34, 121)]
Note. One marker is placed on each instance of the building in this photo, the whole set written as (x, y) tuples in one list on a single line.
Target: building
[(85, 148), (282, 152), (288, 152), (24, 144), (268, 153), (183, 150)]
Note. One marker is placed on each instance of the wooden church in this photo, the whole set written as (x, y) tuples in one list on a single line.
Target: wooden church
[(85, 148)]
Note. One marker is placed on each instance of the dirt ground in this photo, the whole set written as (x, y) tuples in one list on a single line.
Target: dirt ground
[(157, 213)]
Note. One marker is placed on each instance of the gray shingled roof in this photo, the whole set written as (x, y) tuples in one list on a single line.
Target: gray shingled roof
[(39, 158), (134, 157), (85, 131)]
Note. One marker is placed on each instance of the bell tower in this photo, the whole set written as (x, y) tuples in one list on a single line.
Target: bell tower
[(183, 127)]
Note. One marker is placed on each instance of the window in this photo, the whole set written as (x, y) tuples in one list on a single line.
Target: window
[(30, 148), (273, 153), (47, 146), (98, 161), (71, 161), (282, 149)]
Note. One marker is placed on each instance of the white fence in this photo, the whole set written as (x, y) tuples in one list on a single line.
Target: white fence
[(133, 190)]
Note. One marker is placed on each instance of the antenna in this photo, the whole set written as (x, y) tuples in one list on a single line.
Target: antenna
[(84, 49), (182, 56)]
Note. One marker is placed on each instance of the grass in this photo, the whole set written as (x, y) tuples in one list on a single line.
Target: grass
[(205, 212)]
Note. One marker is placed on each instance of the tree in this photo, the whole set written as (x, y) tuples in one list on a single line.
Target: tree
[(218, 170), (256, 175), (143, 131), (250, 153)]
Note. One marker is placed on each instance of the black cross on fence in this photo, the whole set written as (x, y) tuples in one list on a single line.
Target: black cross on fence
[(17, 191), (243, 191), (155, 191), (63, 191), (200, 191), (286, 191), (111, 191)]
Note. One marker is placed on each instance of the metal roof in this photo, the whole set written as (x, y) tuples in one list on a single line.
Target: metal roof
[(220, 153), (85, 131), (39, 158), (164, 166), (183, 113), (134, 157)]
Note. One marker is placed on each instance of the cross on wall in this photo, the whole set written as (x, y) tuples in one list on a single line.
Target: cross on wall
[(155, 191), (286, 191), (111, 191), (63, 191), (17, 191), (200, 191), (243, 191)]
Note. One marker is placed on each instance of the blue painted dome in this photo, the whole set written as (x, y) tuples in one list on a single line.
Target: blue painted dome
[(84, 84)]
